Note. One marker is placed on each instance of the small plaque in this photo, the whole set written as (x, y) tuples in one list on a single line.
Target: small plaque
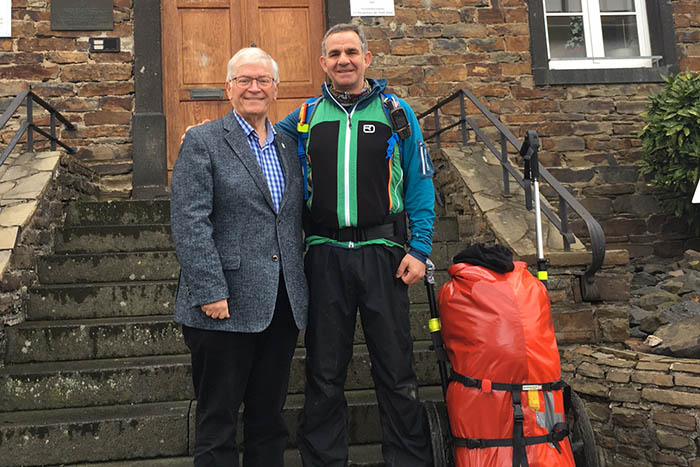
[(103, 44), (82, 15)]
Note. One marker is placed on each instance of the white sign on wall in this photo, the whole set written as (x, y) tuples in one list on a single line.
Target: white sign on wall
[(371, 7), (5, 18)]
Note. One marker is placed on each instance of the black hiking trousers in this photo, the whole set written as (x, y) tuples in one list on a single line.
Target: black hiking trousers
[(341, 281)]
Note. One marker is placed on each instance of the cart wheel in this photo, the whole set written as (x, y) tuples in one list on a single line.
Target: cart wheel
[(438, 424), (580, 431)]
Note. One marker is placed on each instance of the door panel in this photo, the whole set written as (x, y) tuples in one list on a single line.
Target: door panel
[(203, 50), (199, 37)]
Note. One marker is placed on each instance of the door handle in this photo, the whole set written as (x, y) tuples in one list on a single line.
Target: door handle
[(206, 93)]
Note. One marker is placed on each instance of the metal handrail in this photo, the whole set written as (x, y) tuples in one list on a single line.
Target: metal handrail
[(566, 200), (29, 127)]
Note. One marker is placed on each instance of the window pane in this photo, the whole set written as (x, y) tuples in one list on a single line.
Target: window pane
[(616, 5), (563, 6), (566, 39), (620, 36)]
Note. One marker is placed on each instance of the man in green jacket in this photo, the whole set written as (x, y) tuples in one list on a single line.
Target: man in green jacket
[(367, 170)]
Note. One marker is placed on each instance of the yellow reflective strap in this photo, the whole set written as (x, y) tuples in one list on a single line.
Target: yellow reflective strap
[(434, 324), (542, 275), (302, 126), (533, 400)]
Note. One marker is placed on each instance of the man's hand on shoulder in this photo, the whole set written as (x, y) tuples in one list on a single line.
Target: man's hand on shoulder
[(216, 310), (411, 270), (182, 138)]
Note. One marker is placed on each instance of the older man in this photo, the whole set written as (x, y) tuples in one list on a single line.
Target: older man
[(370, 170), (237, 197)]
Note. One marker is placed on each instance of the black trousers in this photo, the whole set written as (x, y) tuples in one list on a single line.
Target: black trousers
[(230, 368), (341, 281)]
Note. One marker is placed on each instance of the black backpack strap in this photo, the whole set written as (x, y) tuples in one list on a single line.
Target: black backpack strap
[(558, 433), (519, 452), (518, 441), (489, 385)]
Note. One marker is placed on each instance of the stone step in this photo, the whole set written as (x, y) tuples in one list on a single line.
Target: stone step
[(133, 298), (112, 267), (120, 435), (443, 252), (127, 336), (54, 385), (418, 294), (446, 229), (83, 301), (114, 238), (60, 340), (49, 385), (118, 212), (135, 266), (96, 434), (363, 455), (124, 435)]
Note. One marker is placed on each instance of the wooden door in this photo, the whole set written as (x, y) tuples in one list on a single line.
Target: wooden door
[(199, 38)]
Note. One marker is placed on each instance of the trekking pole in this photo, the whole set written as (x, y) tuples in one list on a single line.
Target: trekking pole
[(434, 325), (532, 172)]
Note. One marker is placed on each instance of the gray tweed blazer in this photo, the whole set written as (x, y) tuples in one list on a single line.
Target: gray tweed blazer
[(229, 241)]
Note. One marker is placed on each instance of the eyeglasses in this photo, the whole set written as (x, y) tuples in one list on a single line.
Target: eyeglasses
[(264, 82)]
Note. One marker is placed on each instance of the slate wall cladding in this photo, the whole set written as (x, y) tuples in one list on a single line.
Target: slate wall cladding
[(427, 50), (645, 409)]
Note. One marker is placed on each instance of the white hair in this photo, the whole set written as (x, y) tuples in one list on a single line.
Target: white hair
[(250, 55)]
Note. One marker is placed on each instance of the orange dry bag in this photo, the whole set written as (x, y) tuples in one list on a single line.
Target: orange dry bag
[(505, 398)]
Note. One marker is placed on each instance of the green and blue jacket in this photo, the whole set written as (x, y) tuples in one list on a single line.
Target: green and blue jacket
[(359, 172)]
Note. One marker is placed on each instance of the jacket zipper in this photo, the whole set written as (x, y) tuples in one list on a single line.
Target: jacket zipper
[(346, 158)]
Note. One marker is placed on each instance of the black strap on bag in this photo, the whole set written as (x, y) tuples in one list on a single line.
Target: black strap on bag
[(519, 452), (558, 433), (479, 384), (518, 442)]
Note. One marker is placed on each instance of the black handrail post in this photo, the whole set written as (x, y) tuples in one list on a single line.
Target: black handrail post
[(53, 131), (504, 159), (462, 117), (30, 123), (436, 119), (564, 218)]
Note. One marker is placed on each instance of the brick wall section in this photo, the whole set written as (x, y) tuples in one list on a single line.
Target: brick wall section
[(587, 132), (93, 90), (428, 50), (645, 409)]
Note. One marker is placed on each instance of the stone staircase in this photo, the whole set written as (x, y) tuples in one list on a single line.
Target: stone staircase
[(99, 374)]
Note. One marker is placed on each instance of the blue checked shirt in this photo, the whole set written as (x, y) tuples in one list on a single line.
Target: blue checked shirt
[(267, 158)]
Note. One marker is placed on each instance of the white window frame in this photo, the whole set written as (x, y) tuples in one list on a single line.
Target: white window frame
[(595, 51)]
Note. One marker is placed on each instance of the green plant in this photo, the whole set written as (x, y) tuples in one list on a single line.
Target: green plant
[(576, 30), (671, 143)]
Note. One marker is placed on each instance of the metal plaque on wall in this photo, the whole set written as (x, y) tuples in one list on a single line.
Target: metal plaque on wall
[(82, 15)]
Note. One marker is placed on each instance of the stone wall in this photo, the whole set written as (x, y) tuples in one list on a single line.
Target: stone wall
[(51, 179), (93, 90), (645, 409), (587, 132), (427, 50), (464, 179)]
